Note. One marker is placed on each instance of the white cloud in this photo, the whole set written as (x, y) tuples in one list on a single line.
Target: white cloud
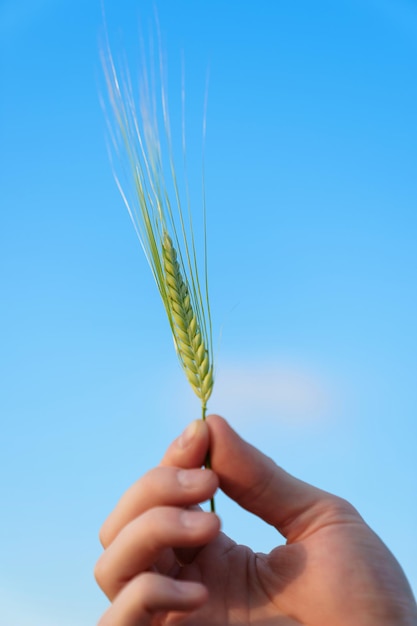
[(272, 391)]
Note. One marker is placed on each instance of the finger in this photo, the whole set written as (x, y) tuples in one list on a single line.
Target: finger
[(148, 594), (190, 448), (138, 546), (162, 486), (255, 482)]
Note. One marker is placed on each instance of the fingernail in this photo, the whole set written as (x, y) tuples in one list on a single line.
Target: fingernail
[(193, 519), (189, 589), (191, 478), (188, 435)]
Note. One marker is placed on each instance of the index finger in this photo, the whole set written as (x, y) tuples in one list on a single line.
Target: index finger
[(190, 448)]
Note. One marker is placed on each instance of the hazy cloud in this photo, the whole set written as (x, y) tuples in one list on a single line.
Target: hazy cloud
[(274, 391)]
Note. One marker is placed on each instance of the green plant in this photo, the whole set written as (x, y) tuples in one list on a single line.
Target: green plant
[(165, 232)]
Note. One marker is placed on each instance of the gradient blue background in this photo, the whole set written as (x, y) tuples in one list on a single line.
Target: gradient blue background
[(311, 160)]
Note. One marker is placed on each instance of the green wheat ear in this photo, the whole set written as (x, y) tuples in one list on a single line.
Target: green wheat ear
[(155, 208), (189, 341)]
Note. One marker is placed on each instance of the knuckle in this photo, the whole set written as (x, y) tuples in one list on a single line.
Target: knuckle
[(144, 584), (101, 574), (157, 525), (158, 481), (335, 510), (344, 508)]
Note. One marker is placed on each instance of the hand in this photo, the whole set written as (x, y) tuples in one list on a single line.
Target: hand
[(166, 562)]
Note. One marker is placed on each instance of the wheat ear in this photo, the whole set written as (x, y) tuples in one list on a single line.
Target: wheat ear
[(189, 340)]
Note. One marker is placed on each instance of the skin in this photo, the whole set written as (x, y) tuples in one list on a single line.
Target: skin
[(166, 562)]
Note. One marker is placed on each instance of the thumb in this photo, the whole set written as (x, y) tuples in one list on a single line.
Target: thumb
[(257, 484)]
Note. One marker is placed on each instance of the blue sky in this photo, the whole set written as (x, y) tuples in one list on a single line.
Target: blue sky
[(311, 158)]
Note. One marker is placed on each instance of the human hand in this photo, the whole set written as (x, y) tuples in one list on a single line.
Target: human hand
[(166, 563)]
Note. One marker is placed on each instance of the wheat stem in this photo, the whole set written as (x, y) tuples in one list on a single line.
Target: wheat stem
[(207, 462)]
